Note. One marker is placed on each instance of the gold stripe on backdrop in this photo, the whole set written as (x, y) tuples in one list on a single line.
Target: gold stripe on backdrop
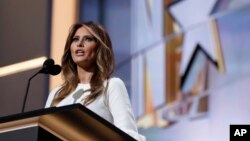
[(64, 14)]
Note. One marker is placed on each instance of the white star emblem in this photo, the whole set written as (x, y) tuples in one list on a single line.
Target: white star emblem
[(200, 33)]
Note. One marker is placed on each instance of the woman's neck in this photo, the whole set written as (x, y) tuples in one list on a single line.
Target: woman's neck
[(85, 75)]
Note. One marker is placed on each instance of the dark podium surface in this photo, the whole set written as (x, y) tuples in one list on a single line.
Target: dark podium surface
[(71, 123)]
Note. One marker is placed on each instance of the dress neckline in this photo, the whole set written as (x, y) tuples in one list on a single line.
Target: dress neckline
[(84, 84)]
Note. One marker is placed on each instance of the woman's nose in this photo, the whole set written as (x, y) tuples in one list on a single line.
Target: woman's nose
[(80, 43)]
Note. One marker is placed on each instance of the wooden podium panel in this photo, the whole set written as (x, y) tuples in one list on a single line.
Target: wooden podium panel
[(71, 123)]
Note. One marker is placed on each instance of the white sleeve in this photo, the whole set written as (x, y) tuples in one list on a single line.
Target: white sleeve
[(51, 97), (120, 108)]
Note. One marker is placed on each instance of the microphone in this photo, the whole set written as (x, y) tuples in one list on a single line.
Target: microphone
[(49, 67)]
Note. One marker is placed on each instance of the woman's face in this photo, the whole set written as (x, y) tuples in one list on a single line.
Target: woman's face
[(83, 48)]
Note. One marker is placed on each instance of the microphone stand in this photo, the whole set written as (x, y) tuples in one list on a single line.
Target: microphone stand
[(48, 68), (27, 90)]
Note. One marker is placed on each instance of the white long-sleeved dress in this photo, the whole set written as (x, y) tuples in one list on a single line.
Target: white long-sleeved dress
[(115, 107)]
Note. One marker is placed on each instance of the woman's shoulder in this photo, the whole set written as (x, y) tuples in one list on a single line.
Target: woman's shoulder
[(116, 85), (115, 81), (51, 96)]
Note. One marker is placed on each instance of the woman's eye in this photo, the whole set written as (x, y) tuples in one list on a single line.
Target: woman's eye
[(88, 39), (75, 39)]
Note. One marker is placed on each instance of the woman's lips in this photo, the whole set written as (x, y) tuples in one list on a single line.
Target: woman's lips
[(79, 52)]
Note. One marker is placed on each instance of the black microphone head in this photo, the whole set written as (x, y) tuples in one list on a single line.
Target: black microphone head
[(50, 68), (55, 70), (49, 62)]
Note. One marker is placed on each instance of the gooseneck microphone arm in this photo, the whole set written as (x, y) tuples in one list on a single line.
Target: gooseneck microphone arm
[(48, 68), (27, 90)]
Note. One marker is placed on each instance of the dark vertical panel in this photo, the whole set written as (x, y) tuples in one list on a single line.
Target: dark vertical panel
[(90, 10), (117, 21), (24, 35)]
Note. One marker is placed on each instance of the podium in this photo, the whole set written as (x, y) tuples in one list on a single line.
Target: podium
[(67, 123)]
